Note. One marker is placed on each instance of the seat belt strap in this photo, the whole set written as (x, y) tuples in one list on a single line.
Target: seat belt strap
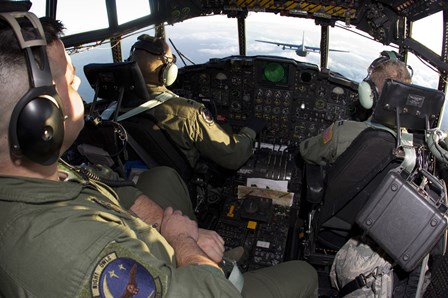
[(148, 160), (353, 285), (150, 104), (410, 155)]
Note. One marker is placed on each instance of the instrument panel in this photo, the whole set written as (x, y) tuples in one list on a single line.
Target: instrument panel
[(297, 99)]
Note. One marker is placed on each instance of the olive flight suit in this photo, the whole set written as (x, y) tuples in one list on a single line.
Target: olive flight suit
[(73, 239), (324, 148), (192, 127)]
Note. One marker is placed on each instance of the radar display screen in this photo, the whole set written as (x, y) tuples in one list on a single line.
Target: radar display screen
[(274, 73)]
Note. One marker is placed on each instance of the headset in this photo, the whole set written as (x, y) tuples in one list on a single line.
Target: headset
[(155, 46), (36, 128), (367, 91)]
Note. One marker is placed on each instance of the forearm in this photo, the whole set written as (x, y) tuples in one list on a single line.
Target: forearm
[(230, 152), (148, 211), (188, 252)]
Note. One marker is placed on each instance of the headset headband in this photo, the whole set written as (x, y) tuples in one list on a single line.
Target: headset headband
[(36, 127), (39, 69), (385, 56), (150, 44)]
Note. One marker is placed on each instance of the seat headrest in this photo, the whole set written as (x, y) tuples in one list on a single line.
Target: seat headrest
[(111, 77), (419, 108)]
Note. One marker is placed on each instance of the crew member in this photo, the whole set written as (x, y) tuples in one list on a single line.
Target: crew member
[(189, 123)]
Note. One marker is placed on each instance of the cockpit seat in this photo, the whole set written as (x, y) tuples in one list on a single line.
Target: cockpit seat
[(116, 83), (122, 85), (349, 182)]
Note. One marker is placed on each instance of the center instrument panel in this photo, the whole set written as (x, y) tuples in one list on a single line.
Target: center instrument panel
[(297, 99)]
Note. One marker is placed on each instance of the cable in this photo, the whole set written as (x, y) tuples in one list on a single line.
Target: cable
[(86, 171)]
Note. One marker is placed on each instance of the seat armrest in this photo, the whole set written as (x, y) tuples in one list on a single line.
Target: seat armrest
[(314, 177)]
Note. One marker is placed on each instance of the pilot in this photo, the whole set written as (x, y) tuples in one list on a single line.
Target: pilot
[(324, 148), (60, 228), (189, 123)]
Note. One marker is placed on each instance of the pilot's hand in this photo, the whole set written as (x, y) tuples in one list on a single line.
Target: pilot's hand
[(212, 244), (256, 124), (175, 224)]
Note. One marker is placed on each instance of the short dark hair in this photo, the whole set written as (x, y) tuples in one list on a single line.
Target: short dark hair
[(9, 45), (53, 29)]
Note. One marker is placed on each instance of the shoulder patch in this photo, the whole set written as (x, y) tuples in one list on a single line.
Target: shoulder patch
[(123, 277), (206, 115), (327, 134)]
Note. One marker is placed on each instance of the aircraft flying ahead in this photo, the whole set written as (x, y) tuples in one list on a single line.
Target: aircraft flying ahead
[(301, 49)]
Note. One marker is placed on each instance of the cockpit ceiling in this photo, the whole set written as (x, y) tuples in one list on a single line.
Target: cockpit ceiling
[(300, 8), (344, 10)]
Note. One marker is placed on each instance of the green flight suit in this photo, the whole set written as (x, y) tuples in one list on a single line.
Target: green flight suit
[(72, 239), (191, 126), (108, 249), (324, 148)]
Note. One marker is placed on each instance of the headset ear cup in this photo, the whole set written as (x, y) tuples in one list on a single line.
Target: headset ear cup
[(40, 131), (366, 95), (169, 74)]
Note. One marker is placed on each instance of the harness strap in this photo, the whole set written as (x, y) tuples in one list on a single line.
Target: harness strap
[(357, 283), (150, 104)]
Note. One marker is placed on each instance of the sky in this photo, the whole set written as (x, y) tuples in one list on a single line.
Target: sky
[(216, 36)]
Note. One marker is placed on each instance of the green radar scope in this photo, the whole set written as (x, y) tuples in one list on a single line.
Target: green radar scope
[(274, 72)]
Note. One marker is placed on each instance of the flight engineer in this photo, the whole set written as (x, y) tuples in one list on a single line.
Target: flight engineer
[(324, 148)]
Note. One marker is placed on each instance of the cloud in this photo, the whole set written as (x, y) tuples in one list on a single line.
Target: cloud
[(216, 36)]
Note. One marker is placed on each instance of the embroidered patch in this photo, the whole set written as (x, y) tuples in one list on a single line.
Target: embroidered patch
[(123, 277), (208, 117), (328, 134)]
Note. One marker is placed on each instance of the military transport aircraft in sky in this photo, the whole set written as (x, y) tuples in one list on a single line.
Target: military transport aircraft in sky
[(315, 209), (301, 50)]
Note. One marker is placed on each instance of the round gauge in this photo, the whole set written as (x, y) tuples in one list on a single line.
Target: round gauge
[(235, 93), (203, 78), (319, 104), (267, 109), (236, 106), (306, 77), (338, 90), (274, 72), (221, 76)]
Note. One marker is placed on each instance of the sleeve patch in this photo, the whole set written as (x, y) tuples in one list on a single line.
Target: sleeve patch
[(328, 134), (123, 277), (206, 115)]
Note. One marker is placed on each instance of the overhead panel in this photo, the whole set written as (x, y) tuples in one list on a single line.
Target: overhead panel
[(339, 9)]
